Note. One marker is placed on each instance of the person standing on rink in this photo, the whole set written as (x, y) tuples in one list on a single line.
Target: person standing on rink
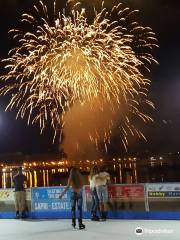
[(95, 199), (19, 181), (75, 181), (102, 179)]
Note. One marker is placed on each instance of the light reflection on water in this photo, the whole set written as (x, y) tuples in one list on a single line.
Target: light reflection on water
[(52, 177), (36, 178)]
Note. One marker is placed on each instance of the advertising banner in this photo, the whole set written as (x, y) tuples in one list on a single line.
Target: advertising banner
[(7, 200), (121, 197), (163, 196), (6, 195), (163, 190), (126, 191), (47, 199)]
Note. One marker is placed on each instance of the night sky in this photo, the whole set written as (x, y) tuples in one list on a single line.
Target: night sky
[(164, 135)]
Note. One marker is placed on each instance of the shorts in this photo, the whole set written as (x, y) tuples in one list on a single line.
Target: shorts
[(102, 193)]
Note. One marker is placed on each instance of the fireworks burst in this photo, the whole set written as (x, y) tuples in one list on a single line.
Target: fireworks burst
[(70, 60)]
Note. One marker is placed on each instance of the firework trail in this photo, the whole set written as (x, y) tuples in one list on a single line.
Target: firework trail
[(70, 61)]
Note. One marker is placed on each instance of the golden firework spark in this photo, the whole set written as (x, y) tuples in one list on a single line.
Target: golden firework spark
[(71, 60)]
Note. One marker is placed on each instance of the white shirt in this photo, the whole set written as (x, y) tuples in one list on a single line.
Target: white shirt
[(101, 179)]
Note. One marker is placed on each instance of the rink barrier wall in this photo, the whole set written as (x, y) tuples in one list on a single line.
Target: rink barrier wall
[(126, 201)]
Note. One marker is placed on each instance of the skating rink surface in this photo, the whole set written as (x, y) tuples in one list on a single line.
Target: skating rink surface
[(110, 230)]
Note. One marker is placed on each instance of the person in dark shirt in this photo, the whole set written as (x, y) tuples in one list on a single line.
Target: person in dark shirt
[(19, 181)]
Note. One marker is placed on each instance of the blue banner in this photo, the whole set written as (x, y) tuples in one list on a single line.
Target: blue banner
[(47, 199)]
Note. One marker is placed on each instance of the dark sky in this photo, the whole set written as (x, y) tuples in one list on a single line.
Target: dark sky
[(164, 135)]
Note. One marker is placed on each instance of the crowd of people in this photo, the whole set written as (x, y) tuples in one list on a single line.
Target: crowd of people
[(98, 180)]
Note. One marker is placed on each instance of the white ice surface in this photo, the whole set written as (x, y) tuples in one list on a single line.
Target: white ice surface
[(110, 230)]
